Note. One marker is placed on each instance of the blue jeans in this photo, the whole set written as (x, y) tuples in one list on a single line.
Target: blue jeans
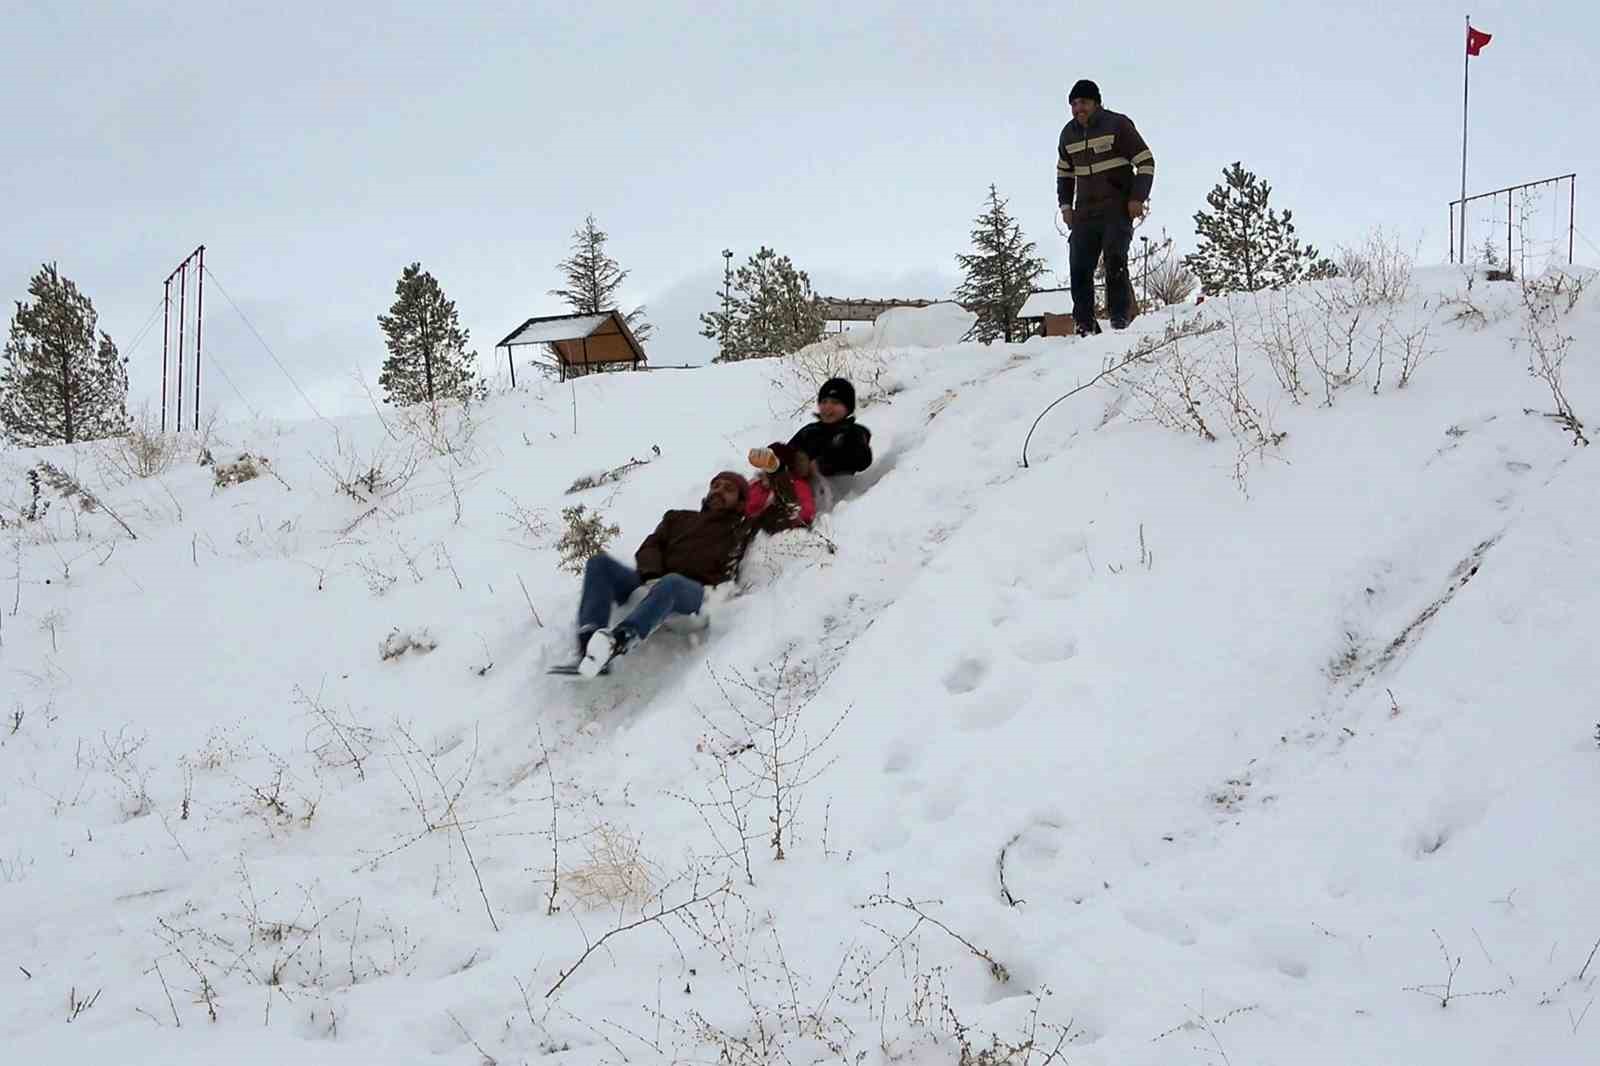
[(607, 583)]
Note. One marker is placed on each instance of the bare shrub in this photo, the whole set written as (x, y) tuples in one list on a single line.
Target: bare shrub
[(144, 451), (444, 427), (765, 756), (237, 471), (1546, 301), (415, 768), (71, 488), (1170, 282), (586, 536), (1377, 271), (1445, 991), (1352, 262), (802, 373), (119, 758), (334, 741), (616, 473), (526, 522), (1287, 344), (291, 951), (699, 901), (370, 476), (1141, 354), (616, 872), (1172, 394), (1195, 382), (1413, 350)]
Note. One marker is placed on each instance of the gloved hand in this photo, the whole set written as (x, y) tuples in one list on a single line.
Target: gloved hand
[(765, 460)]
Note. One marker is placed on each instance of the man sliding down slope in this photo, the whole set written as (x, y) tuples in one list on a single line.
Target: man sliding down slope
[(688, 552)]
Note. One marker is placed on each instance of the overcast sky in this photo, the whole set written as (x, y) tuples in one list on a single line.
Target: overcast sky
[(316, 149)]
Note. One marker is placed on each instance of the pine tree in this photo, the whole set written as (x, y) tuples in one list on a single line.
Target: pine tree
[(1245, 245), (771, 310), (428, 356), (60, 382), (1000, 273), (593, 278)]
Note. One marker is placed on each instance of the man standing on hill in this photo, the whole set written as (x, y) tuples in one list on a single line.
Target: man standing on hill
[(1102, 160)]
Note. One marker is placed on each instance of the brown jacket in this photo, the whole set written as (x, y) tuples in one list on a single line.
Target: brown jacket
[(707, 546), (1106, 164)]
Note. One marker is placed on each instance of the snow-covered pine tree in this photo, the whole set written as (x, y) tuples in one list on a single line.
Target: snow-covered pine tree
[(1246, 245), (61, 381), (428, 357), (1000, 272), (593, 278), (771, 310)]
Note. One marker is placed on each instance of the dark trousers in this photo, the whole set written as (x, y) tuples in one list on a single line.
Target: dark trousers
[(1105, 234)]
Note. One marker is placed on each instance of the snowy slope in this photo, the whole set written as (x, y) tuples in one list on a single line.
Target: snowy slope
[(1214, 753)]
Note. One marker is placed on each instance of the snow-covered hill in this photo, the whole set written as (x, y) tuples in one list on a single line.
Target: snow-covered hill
[(1250, 722)]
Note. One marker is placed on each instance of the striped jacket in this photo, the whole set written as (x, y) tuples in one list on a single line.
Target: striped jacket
[(1107, 164)]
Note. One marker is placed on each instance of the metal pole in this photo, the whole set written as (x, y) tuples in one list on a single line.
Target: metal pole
[(1508, 232), (1572, 209), (199, 320), (727, 290), (1466, 70), (166, 323), (183, 292), (1452, 213)]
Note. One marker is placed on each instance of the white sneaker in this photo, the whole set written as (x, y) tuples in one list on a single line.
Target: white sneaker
[(603, 647)]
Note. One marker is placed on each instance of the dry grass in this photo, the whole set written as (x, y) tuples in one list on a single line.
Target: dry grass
[(616, 872)]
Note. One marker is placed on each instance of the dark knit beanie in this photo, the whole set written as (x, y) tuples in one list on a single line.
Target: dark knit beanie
[(838, 389), (1085, 90)]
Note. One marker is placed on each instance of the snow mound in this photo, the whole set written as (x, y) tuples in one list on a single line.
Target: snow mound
[(935, 326)]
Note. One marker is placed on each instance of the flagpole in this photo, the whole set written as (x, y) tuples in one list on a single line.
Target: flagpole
[(1466, 72)]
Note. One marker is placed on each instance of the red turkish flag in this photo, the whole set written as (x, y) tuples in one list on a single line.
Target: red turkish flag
[(1476, 39)]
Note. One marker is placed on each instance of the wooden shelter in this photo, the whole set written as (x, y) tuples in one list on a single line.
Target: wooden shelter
[(1048, 313), (578, 343)]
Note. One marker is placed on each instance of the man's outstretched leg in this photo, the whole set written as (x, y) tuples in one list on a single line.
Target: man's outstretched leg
[(606, 583), (673, 594)]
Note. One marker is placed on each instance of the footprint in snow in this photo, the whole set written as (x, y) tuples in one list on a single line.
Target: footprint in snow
[(965, 676), (1159, 923), (1044, 646), (902, 757), (994, 713)]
